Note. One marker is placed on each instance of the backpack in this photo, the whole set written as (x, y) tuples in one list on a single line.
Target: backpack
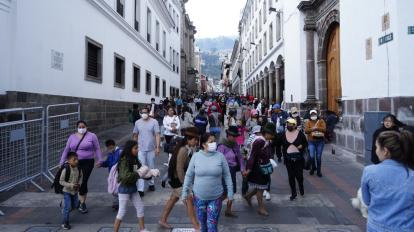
[(170, 147), (56, 185), (172, 166), (113, 184)]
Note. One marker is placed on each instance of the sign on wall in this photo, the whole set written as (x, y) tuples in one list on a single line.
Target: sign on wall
[(385, 39), (57, 60), (411, 30)]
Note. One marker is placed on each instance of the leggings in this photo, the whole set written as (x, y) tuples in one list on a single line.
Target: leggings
[(123, 204), (86, 166), (208, 213)]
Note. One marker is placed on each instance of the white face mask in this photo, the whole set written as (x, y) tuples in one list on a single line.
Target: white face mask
[(294, 115), (144, 116), (314, 118), (81, 131), (212, 147)]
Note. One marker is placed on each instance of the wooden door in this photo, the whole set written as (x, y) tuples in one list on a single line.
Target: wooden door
[(333, 71)]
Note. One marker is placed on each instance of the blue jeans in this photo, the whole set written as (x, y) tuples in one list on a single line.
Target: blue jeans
[(69, 202), (316, 148)]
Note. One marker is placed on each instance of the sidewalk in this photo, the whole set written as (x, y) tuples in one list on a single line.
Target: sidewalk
[(325, 207)]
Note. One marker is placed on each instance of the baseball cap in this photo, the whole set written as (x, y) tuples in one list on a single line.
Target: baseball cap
[(276, 106), (292, 121), (313, 112)]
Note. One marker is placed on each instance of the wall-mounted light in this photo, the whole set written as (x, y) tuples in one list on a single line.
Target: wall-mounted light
[(251, 43), (272, 9)]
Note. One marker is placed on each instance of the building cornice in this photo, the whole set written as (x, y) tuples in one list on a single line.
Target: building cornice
[(162, 10), (309, 5), (120, 22), (5, 5)]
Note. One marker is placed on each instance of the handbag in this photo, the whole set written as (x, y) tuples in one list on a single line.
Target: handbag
[(266, 169), (317, 134)]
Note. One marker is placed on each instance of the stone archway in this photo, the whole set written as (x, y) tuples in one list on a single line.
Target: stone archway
[(329, 26)]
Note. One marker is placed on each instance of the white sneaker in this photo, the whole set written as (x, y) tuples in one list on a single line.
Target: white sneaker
[(145, 230), (267, 195)]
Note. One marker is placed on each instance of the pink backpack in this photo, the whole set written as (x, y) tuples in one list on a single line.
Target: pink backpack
[(113, 184)]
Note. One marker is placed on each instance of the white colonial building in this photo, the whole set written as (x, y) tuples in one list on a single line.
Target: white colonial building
[(116, 51)]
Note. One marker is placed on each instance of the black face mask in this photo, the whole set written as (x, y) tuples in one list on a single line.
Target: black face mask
[(290, 128)]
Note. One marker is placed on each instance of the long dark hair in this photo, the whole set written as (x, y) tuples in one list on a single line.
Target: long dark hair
[(127, 154), (400, 145), (173, 161), (397, 123)]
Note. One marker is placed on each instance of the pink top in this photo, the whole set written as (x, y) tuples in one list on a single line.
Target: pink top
[(88, 149), (240, 138)]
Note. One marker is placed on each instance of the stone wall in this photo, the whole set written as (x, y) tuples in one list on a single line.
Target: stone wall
[(99, 114)]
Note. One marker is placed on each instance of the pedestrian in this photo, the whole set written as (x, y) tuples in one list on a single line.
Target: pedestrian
[(214, 122), (71, 183), (201, 121), (171, 124), (279, 118), (294, 113), (186, 118), (147, 133), (127, 177), (231, 120), (388, 187), (231, 151), (389, 123), (248, 148), (241, 127), (176, 171), (259, 167), (134, 114), (294, 144), (207, 168), (86, 146), (159, 116), (179, 104), (315, 129), (114, 153), (252, 121), (198, 103), (153, 108)]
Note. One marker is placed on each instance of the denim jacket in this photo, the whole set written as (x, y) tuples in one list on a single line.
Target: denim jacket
[(388, 191)]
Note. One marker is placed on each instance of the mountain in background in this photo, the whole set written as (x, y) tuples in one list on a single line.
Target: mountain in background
[(213, 52)]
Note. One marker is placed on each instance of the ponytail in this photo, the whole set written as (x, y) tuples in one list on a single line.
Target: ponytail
[(400, 145), (407, 145)]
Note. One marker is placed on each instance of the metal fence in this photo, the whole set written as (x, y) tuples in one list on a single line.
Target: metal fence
[(60, 124), (21, 146)]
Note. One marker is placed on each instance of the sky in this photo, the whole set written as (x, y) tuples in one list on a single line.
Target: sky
[(213, 18)]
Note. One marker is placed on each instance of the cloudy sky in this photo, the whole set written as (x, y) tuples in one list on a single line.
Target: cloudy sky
[(214, 18)]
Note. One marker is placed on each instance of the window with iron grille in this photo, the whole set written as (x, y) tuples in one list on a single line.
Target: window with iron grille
[(119, 71), (120, 7), (148, 83), (93, 67), (149, 25), (157, 86), (137, 14), (157, 36), (164, 88), (136, 78)]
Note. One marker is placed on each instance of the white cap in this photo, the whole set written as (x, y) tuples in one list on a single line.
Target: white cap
[(256, 129), (313, 112)]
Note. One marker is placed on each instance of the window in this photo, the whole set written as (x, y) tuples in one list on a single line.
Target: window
[(265, 44), (260, 20), (177, 60), (264, 11), (260, 50), (119, 71), (137, 14), (256, 29), (149, 25), (386, 22), (368, 49), (270, 36), (278, 27), (148, 83), (164, 44), (173, 60), (164, 89), (171, 56), (93, 69), (157, 86), (120, 7), (136, 79), (157, 36), (270, 3), (178, 23), (171, 91)]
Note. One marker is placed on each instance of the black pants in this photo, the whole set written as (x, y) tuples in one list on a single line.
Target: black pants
[(295, 173), (277, 145), (86, 166)]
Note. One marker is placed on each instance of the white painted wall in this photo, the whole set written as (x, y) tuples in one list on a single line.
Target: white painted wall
[(62, 25), (363, 78)]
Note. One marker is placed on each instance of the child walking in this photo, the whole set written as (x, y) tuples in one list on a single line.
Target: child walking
[(71, 184), (111, 160)]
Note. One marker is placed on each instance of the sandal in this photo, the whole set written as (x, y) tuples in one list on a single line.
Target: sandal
[(164, 225)]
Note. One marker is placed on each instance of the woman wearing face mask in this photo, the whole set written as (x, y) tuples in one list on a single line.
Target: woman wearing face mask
[(259, 156), (176, 172), (389, 123), (315, 128), (171, 124), (86, 145), (293, 145), (388, 188), (205, 172)]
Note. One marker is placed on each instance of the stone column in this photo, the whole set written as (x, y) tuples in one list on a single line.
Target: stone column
[(257, 89), (277, 77), (261, 88), (270, 83), (310, 63), (266, 86)]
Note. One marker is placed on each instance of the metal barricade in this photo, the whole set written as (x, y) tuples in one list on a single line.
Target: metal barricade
[(60, 124), (21, 146)]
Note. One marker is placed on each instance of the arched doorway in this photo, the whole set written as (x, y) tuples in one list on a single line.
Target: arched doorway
[(333, 71)]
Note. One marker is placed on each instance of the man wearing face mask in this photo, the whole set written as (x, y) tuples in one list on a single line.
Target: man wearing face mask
[(147, 133), (294, 113), (315, 129), (279, 118)]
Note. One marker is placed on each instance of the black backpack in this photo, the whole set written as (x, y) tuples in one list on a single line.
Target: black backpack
[(172, 165), (56, 185)]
